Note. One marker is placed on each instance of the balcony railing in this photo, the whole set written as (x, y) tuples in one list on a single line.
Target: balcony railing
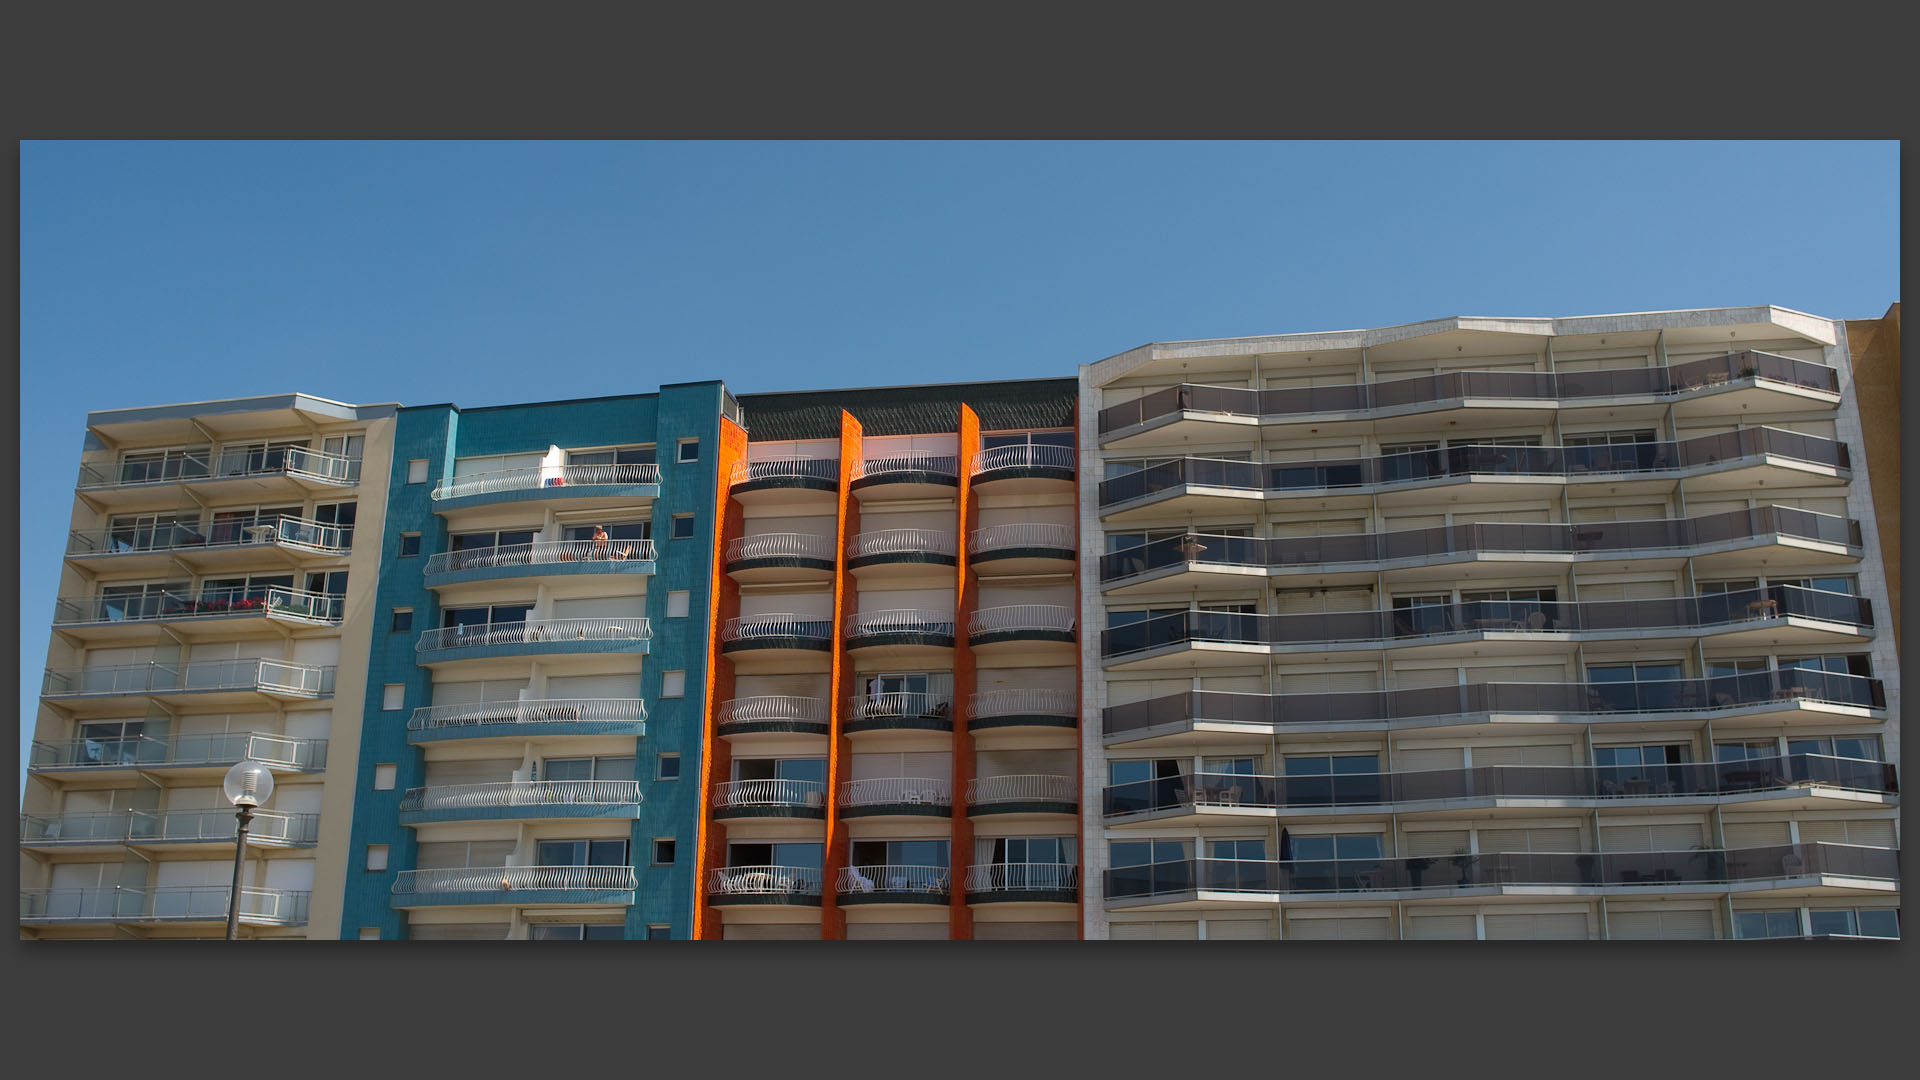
[(764, 708), (507, 880), (889, 878), (900, 621), (1024, 456), (764, 881), (897, 791), (522, 793), (184, 903), (780, 546), (1661, 535), (1022, 536), (284, 531), (1702, 867), (1505, 616), (884, 706), (819, 469), (148, 826), (991, 703), (545, 476), (784, 625), (554, 551), (1023, 877), (268, 676), (901, 542), (809, 794), (1567, 699), (535, 631), (1012, 618), (1496, 781), (1030, 788), (935, 464), (192, 463), (219, 748), (185, 603), (530, 713), (1521, 385)]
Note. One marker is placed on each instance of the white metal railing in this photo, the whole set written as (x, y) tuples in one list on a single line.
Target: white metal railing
[(1024, 455), (538, 554), (319, 536), (217, 748), (763, 880), (777, 625), (276, 907), (938, 464), (176, 465), (320, 465), (1022, 534), (879, 706), (494, 879), (897, 791), (900, 621), (810, 793), (1023, 703), (518, 793), (786, 469), (184, 603), (1031, 787), (771, 707), (1019, 877), (273, 676), (545, 476), (892, 878), (1021, 617), (121, 826), (535, 631), (782, 545), (530, 711), (898, 541)]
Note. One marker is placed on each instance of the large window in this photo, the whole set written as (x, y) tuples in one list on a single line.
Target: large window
[(1860, 922), (588, 768), (147, 466), (801, 855), (236, 525), (1025, 438), (1331, 779), (582, 853), (1777, 923), (475, 621), (1861, 747), (577, 932)]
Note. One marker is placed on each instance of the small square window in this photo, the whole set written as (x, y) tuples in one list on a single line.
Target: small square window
[(683, 526), (657, 932), (417, 471), (678, 604), (673, 684), (663, 851), (369, 933), (376, 856), (394, 697), (668, 767), (383, 777), (409, 544), (689, 449), (402, 619)]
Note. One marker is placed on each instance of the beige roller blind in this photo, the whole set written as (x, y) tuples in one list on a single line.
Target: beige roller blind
[(1618, 512), (1558, 926), (1168, 930), (1325, 527), (1650, 837), (1441, 757), (1421, 678), (1752, 834), (1326, 928), (771, 932), (489, 771), (1234, 929), (1544, 839), (1426, 926), (1433, 842), (478, 931), (1023, 931), (1686, 924), (1861, 833), (1517, 673), (927, 931), (1549, 754)]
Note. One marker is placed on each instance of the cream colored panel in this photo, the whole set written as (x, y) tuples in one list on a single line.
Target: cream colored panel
[(594, 686), (1437, 927), (1025, 931), (1568, 926), (1232, 929), (813, 605), (1421, 678), (1323, 928), (928, 931), (1516, 673), (492, 771), (770, 932), (1541, 839), (1446, 757), (322, 651), (1752, 834), (493, 931), (1544, 754), (601, 607), (1650, 837), (1684, 924), (1132, 690), (1430, 842)]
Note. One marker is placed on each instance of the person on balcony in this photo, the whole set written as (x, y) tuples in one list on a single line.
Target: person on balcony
[(599, 541)]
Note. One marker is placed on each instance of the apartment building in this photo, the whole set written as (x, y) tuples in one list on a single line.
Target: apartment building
[(1487, 628), (215, 600), (892, 745)]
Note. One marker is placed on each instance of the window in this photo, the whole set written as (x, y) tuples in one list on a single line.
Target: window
[(409, 544), (800, 770), (1608, 438), (1846, 583), (152, 532), (659, 932), (898, 853), (673, 684), (477, 622), (1855, 922), (576, 932), (1331, 779), (588, 768), (376, 857), (1744, 751), (803, 855), (689, 450), (339, 515), (1024, 438), (147, 466), (1778, 923), (666, 767), (402, 619), (619, 455), (1148, 852), (417, 471), (663, 851), (115, 742), (384, 776), (369, 933), (581, 853), (683, 526), (1862, 748), (393, 697), (678, 604)]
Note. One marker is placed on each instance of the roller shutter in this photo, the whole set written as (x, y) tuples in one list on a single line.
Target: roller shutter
[(928, 931), (1686, 924), (1548, 754), (1545, 839), (1328, 928), (1557, 926), (1651, 837), (771, 932), (1755, 834), (489, 771), (1860, 833), (1238, 929), (1442, 757), (1435, 842), (1171, 930), (1025, 931), (458, 932), (1439, 927)]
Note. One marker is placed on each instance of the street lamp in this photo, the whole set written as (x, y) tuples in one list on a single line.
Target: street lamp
[(247, 785)]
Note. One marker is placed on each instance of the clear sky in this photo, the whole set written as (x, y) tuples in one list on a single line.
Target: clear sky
[(487, 273)]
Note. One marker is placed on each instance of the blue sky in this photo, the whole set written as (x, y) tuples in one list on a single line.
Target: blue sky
[(485, 273)]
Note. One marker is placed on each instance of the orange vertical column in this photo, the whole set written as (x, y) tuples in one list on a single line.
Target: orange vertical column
[(965, 596), (833, 855), (716, 756)]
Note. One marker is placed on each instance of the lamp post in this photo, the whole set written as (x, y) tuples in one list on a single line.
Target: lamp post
[(247, 785)]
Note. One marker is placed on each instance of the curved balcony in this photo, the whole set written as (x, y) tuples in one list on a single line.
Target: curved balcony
[(1028, 467), (166, 828), (778, 886), (1023, 708), (772, 714), (897, 796), (164, 904), (906, 632), (780, 556), (893, 885), (227, 545), (99, 618), (534, 637), (1016, 627), (1023, 883), (1796, 778), (898, 712), (545, 559), (533, 718), (1744, 870), (770, 799), (523, 800), (772, 480), (906, 476), (899, 552), (204, 681), (1777, 614), (213, 752), (1023, 547), (514, 886), (1812, 695), (582, 486), (1022, 794), (783, 636)]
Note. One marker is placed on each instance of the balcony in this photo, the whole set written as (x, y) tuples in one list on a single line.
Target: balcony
[(770, 799), (898, 712), (1022, 794), (1839, 866), (780, 886), (265, 542), (581, 486), (525, 800), (166, 828), (547, 559), (214, 752), (1025, 547), (515, 886), (781, 557), (164, 904), (1799, 776), (532, 718), (783, 636), (895, 553), (772, 714), (897, 796), (906, 476), (1023, 883), (1023, 708), (770, 481), (893, 885), (1813, 694), (534, 637), (904, 633), (206, 681), (100, 618), (1025, 468), (1017, 628)]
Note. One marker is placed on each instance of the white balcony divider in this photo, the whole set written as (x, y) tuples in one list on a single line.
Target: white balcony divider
[(785, 468), (772, 707), (532, 711), (297, 533), (535, 631), (278, 676), (897, 541), (1025, 455), (494, 879), (938, 464), (545, 476), (892, 878), (770, 793), (1023, 703), (523, 793), (320, 465), (1018, 877), (897, 791), (299, 605), (780, 545), (782, 624), (877, 706), (1022, 534), (203, 903), (763, 880), (900, 621), (539, 554), (1021, 617), (983, 790)]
